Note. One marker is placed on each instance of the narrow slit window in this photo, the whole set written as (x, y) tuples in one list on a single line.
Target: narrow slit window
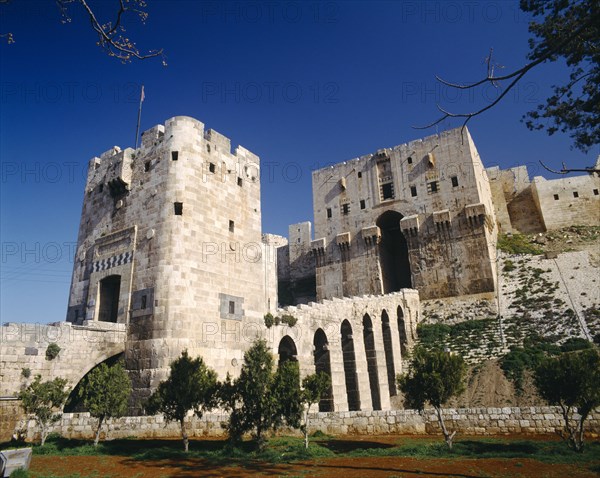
[(212, 168), (362, 204), (413, 191), (208, 148), (178, 208), (454, 180), (556, 197), (231, 226), (575, 194), (433, 187), (147, 166), (101, 187), (174, 155), (360, 174), (231, 307), (240, 182), (143, 303), (409, 160), (345, 209), (328, 213), (595, 192)]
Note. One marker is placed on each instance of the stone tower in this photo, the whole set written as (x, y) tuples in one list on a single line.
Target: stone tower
[(170, 244)]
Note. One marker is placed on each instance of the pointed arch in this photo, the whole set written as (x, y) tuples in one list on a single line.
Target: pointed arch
[(350, 367), (287, 350), (371, 354), (393, 253), (402, 332), (389, 352), (323, 364)]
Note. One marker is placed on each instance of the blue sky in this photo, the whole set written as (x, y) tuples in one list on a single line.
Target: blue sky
[(301, 84)]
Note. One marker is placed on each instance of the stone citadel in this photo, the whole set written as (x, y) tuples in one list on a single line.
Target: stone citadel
[(171, 256)]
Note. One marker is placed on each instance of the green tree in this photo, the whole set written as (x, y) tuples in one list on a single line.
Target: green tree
[(191, 386), (566, 30), (314, 386), (261, 399), (571, 381), (44, 401), (434, 377), (105, 392)]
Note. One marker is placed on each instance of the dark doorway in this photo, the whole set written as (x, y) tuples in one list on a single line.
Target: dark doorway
[(393, 253), (350, 367), (402, 332), (389, 352), (323, 364), (109, 298), (287, 350), (371, 354)]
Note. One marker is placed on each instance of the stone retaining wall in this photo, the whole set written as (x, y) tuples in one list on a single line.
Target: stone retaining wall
[(468, 421)]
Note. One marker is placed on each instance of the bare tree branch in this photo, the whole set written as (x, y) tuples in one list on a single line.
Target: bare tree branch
[(515, 76), (110, 34), (565, 170)]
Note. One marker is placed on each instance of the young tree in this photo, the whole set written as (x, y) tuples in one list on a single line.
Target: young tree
[(191, 386), (314, 386), (433, 377), (571, 381), (261, 399), (105, 392), (45, 401)]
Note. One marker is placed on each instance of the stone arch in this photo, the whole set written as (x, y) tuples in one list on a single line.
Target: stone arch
[(287, 350), (350, 366), (371, 353), (388, 348), (402, 332), (74, 404), (108, 297), (323, 364), (393, 253)]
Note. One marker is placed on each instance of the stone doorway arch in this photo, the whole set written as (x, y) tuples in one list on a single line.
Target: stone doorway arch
[(393, 253)]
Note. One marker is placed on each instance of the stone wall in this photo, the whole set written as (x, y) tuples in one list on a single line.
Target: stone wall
[(568, 201), (23, 346), (468, 421), (416, 215)]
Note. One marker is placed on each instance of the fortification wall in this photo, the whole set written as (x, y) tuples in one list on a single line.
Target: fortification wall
[(568, 201), (320, 339), (436, 190), (467, 421), (23, 346)]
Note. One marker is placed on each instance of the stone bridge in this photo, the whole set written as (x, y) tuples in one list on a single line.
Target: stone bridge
[(23, 347)]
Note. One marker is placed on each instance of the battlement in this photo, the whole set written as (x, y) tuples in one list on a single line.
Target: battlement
[(412, 147)]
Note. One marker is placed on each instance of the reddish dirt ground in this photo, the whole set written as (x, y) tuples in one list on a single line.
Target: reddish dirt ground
[(346, 467), (115, 466)]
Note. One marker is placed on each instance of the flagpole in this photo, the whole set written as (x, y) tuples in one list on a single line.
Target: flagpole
[(137, 129)]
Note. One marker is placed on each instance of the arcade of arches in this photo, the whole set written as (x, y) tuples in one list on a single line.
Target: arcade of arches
[(362, 358)]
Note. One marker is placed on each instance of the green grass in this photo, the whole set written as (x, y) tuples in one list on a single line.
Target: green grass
[(290, 449), (517, 244)]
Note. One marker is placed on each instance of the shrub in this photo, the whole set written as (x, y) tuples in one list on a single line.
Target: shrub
[(290, 320), (269, 320), (52, 351), (25, 372)]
